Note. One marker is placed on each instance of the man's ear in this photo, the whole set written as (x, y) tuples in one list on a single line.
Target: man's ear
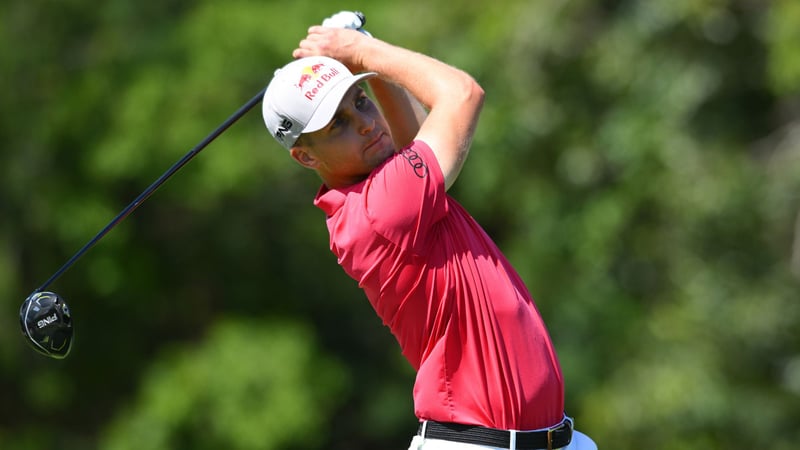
[(303, 157)]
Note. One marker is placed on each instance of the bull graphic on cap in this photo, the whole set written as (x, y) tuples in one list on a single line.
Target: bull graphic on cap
[(308, 74)]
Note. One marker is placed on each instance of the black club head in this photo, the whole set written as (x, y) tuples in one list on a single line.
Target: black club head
[(47, 324)]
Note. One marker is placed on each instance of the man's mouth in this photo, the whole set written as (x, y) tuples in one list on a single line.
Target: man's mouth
[(374, 141)]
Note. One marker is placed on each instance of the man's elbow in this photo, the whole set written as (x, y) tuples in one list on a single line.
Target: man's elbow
[(473, 93)]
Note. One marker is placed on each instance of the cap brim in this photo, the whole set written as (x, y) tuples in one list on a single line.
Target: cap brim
[(330, 104)]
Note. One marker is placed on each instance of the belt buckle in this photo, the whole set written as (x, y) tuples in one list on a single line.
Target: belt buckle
[(567, 422)]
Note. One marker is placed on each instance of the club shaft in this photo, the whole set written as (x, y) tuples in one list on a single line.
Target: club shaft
[(153, 187)]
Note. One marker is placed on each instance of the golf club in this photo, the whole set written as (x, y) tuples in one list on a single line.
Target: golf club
[(44, 316)]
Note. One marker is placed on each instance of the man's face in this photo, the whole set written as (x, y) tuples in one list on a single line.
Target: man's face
[(351, 145)]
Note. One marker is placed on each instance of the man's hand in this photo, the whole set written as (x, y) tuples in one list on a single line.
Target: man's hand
[(341, 44), (319, 42)]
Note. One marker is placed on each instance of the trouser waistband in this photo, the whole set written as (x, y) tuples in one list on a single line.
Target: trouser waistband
[(551, 438)]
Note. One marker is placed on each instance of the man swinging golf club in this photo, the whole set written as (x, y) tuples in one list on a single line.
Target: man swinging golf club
[(487, 373)]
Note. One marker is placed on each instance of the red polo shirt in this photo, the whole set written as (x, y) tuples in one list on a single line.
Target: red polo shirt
[(461, 314)]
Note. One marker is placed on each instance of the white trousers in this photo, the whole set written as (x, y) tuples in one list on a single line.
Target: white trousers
[(580, 441)]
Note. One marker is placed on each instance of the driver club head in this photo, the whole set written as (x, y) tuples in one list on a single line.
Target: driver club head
[(47, 323)]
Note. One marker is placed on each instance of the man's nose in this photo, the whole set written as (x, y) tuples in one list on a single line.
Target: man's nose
[(365, 123)]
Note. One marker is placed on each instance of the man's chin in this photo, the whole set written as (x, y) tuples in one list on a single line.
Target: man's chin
[(381, 150), (387, 152)]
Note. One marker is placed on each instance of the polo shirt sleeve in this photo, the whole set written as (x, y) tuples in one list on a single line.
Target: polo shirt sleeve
[(405, 197)]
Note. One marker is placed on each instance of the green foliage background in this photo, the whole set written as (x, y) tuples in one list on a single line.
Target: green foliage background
[(638, 161)]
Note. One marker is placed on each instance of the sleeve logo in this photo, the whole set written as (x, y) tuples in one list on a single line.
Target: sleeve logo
[(413, 158)]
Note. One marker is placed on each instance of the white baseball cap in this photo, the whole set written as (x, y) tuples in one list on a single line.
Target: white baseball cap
[(304, 95)]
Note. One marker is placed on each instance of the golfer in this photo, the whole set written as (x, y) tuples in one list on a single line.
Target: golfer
[(487, 373)]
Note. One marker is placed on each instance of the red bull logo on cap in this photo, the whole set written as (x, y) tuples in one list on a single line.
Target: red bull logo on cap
[(304, 78), (319, 75), (308, 73)]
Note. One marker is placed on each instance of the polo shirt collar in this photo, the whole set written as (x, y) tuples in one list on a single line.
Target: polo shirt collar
[(330, 200)]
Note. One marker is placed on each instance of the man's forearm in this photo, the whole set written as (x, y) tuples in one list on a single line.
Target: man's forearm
[(452, 97), (403, 112)]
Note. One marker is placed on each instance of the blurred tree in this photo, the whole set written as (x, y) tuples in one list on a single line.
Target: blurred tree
[(250, 385)]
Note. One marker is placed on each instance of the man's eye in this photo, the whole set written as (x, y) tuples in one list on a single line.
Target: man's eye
[(361, 102)]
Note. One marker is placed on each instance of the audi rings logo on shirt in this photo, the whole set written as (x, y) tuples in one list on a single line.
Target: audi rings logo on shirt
[(413, 158)]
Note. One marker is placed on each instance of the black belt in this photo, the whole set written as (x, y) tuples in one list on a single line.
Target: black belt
[(556, 437)]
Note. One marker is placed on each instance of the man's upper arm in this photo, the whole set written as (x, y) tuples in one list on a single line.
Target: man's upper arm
[(450, 126)]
